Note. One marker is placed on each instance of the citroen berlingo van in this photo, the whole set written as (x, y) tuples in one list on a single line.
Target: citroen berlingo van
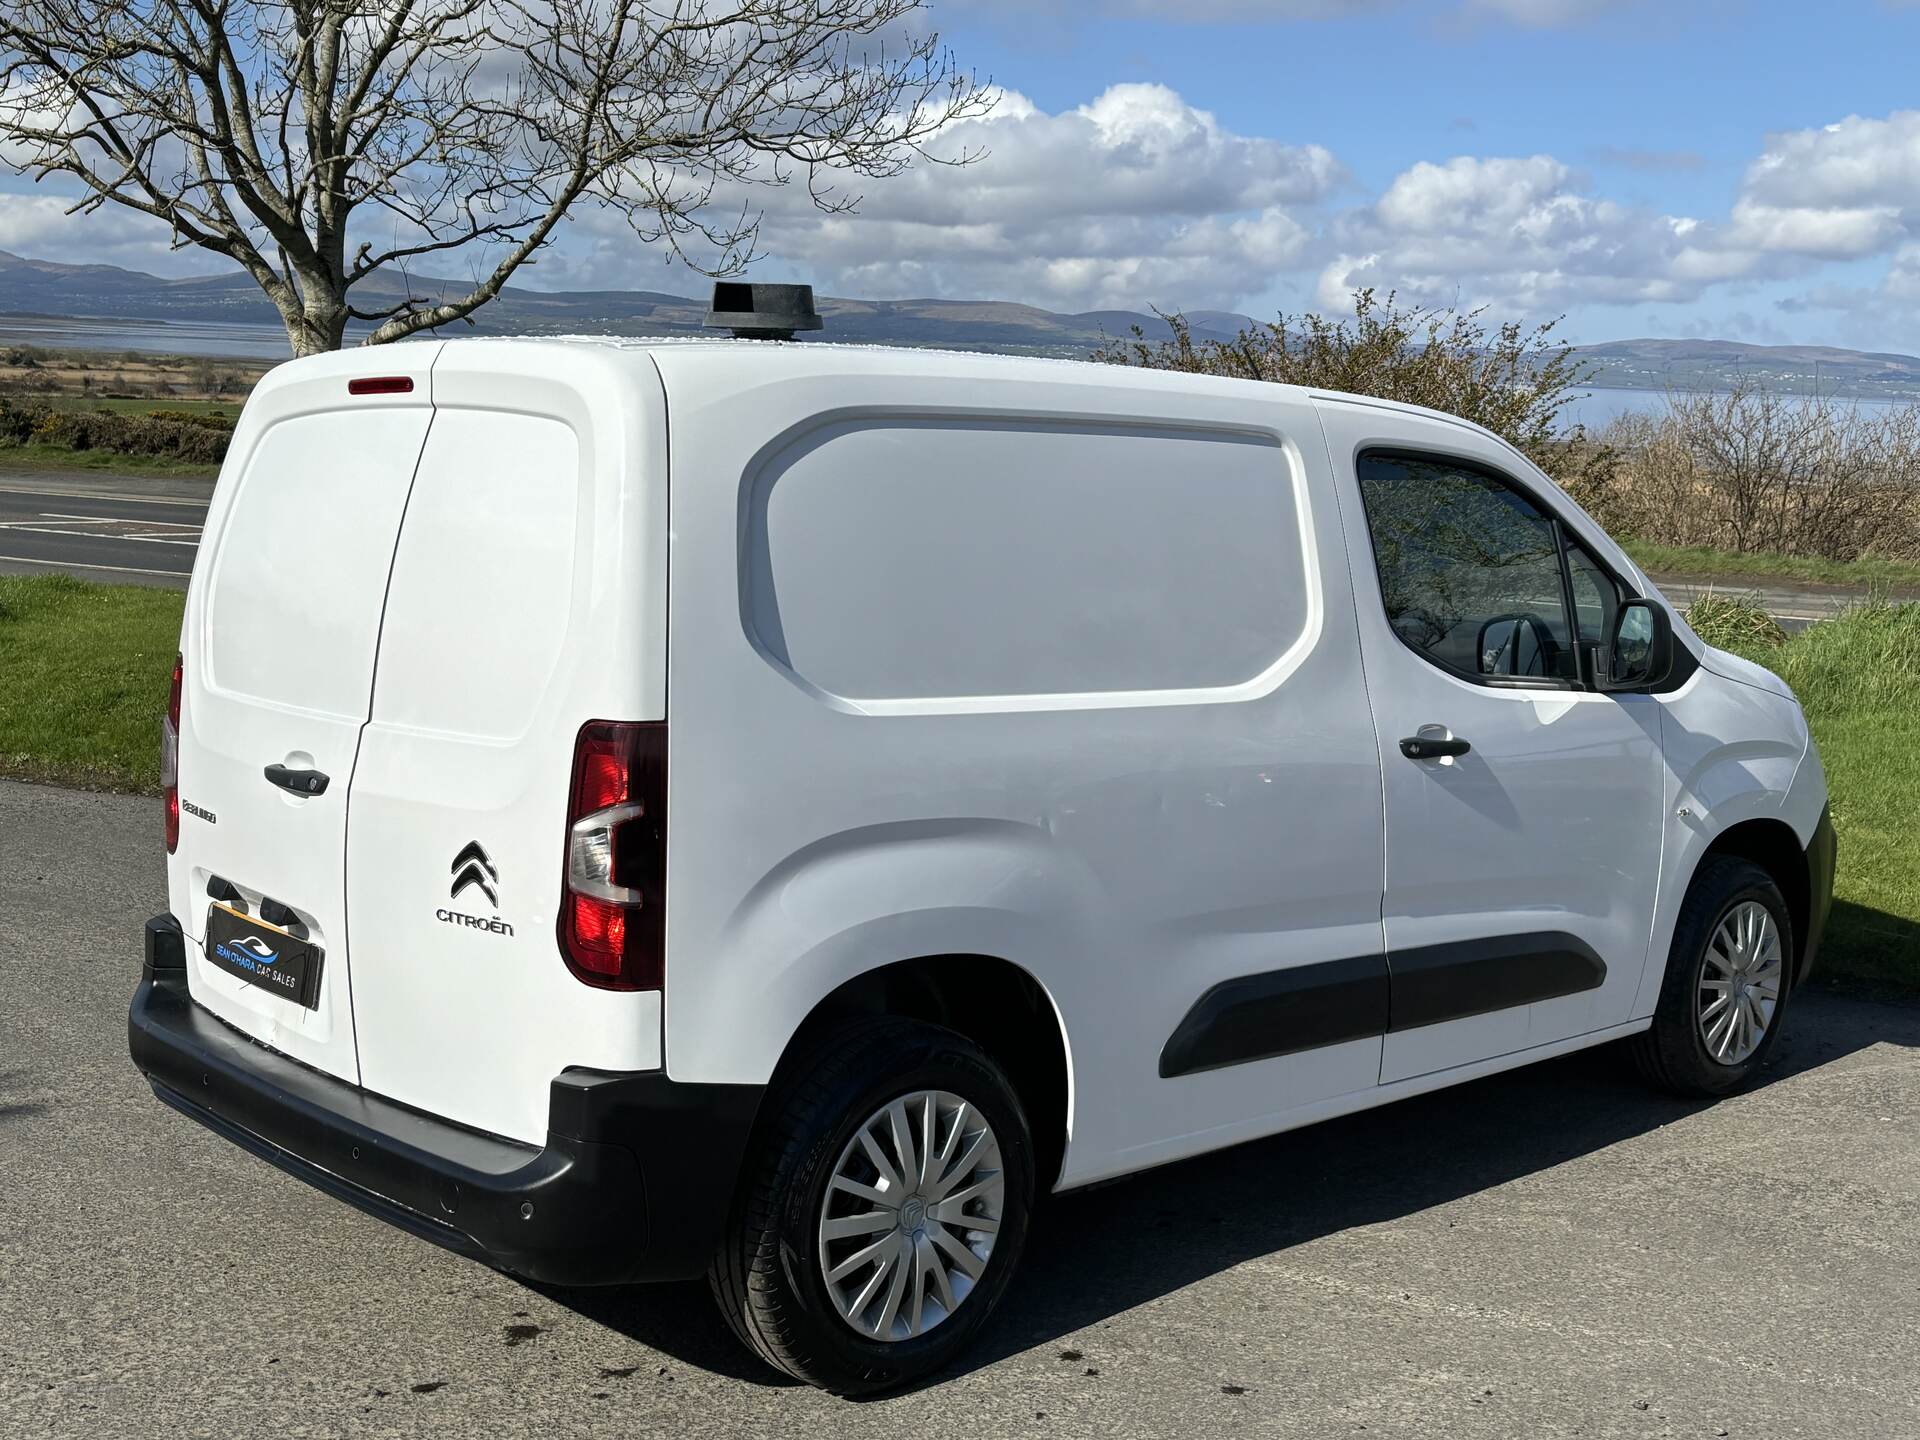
[(776, 812)]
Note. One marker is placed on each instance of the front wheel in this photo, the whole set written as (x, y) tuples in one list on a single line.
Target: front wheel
[(1728, 979), (883, 1209)]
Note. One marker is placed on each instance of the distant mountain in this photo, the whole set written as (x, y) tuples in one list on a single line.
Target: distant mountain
[(47, 287), (1709, 364)]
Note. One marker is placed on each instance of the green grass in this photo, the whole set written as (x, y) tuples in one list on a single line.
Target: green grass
[(1870, 573), (1859, 679), (87, 668), (59, 457)]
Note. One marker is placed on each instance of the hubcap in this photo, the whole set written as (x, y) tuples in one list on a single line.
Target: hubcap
[(911, 1215), (1740, 982)]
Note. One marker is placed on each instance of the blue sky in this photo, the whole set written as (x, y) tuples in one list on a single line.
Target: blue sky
[(1730, 168)]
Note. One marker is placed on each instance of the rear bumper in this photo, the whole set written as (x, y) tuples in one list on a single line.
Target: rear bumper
[(634, 1182), (1823, 853)]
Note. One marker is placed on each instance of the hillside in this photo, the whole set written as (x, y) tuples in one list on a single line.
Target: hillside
[(45, 287), (106, 292)]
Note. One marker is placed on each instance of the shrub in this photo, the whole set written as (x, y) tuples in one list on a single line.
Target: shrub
[(222, 423), (1754, 470), (1515, 381), (189, 440)]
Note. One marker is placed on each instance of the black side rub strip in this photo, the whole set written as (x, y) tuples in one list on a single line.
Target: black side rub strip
[(1473, 977), (1256, 1017), (1282, 1012)]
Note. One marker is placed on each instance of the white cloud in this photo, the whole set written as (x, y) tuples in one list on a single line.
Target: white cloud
[(1136, 196), (1139, 198), (1520, 234), (1843, 191), (39, 225), (1853, 163)]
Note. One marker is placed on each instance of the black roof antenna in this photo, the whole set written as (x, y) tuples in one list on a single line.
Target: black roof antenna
[(762, 312)]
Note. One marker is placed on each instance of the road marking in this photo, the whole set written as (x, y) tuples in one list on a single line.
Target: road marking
[(33, 527), (190, 537), (118, 520), (78, 565), (101, 495)]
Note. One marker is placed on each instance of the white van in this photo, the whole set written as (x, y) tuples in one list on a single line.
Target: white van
[(774, 811)]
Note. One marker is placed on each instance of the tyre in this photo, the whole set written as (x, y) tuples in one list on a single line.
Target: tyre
[(882, 1208), (1728, 981)]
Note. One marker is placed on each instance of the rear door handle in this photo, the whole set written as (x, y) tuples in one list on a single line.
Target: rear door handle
[(300, 782), (1423, 747)]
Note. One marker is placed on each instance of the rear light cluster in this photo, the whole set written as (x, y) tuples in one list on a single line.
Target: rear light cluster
[(170, 757), (613, 906)]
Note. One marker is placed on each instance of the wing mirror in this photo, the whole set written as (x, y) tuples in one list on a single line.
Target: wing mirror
[(1639, 653)]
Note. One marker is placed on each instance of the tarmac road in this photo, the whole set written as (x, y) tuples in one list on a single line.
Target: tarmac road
[(117, 529), (1553, 1252)]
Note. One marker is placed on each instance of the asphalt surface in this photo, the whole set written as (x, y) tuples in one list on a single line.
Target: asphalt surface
[(118, 529), (1553, 1252)]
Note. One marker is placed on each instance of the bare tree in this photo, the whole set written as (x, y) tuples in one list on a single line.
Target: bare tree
[(317, 143)]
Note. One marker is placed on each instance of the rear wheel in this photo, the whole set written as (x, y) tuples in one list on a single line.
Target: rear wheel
[(1728, 979), (883, 1209)]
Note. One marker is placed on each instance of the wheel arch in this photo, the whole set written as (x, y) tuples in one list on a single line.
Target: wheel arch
[(998, 1005), (1772, 845)]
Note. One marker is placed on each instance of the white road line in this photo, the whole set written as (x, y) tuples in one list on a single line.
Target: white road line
[(119, 520), (29, 527), (77, 565), (99, 495)]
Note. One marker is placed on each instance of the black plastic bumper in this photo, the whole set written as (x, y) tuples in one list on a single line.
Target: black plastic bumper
[(1823, 854), (634, 1182)]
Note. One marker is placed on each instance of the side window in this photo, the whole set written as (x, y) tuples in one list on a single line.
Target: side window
[(1596, 598), (1469, 569)]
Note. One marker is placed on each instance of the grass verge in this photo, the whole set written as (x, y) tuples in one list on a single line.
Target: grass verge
[(1870, 573), (59, 457), (87, 668), (1859, 678)]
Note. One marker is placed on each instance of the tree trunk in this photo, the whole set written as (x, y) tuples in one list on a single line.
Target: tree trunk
[(318, 326)]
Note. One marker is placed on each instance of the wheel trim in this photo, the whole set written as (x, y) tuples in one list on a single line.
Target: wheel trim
[(910, 1215), (1741, 976)]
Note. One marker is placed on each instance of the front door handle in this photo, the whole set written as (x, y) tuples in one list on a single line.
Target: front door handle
[(300, 782), (1427, 747)]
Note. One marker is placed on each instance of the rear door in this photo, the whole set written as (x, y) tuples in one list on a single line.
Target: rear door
[(279, 642), (528, 597)]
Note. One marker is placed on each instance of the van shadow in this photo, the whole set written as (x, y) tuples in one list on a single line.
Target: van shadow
[(1095, 1254)]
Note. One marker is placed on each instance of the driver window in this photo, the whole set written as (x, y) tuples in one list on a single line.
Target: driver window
[(1469, 569)]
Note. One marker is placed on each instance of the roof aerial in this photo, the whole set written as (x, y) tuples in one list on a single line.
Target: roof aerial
[(762, 312)]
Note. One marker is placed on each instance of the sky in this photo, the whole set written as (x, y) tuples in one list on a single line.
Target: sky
[(1737, 169)]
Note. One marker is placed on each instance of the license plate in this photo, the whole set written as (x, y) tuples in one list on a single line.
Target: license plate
[(264, 955)]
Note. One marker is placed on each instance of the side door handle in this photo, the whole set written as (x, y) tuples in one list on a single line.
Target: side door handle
[(300, 782), (1425, 747)]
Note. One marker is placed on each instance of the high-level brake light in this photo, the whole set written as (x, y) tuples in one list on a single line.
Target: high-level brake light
[(381, 385)]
